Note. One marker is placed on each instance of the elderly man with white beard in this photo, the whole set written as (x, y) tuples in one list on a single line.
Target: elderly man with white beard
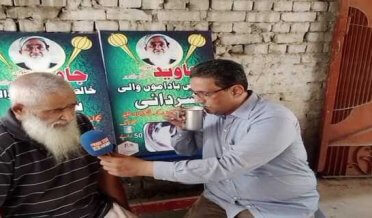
[(35, 54), (158, 51), (43, 170)]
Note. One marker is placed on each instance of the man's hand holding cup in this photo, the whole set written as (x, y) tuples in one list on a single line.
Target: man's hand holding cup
[(187, 118), (176, 117)]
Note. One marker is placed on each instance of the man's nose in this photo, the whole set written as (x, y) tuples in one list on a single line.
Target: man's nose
[(158, 46), (34, 50)]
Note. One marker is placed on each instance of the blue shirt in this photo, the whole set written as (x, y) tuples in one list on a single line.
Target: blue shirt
[(253, 158)]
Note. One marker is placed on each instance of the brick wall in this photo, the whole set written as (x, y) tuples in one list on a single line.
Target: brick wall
[(284, 45)]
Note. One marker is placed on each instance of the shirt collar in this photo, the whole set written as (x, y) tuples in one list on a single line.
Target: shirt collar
[(244, 110), (14, 126)]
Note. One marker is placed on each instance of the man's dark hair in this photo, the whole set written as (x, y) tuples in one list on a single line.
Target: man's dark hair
[(226, 73)]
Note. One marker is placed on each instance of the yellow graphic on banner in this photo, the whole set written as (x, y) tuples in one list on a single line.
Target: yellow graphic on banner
[(120, 40), (196, 41), (79, 43)]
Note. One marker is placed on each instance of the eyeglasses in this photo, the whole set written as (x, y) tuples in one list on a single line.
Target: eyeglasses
[(208, 94), (70, 107)]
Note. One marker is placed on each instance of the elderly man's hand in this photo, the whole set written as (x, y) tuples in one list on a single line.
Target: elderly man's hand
[(126, 166)]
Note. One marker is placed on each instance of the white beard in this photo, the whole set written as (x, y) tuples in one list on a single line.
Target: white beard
[(40, 63), (61, 142), (160, 59)]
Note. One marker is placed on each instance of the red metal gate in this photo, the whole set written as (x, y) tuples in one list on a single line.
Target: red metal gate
[(346, 145)]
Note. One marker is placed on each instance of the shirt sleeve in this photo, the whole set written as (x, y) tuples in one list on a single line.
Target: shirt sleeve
[(265, 140), (187, 142), (6, 174)]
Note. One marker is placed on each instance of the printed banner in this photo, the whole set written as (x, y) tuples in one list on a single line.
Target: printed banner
[(75, 57), (148, 74)]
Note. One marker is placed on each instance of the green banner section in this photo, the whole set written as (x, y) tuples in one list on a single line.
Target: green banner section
[(149, 73)]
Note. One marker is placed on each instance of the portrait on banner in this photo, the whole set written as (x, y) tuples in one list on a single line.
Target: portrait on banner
[(159, 50), (37, 53)]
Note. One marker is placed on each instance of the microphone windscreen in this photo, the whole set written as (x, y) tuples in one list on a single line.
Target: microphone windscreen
[(96, 143)]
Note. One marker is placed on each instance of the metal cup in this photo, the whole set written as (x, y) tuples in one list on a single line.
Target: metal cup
[(193, 118)]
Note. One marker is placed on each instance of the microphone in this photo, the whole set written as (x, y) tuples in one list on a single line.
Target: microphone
[(96, 143)]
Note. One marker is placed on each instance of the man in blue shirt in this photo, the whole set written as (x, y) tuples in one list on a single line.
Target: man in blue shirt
[(254, 162)]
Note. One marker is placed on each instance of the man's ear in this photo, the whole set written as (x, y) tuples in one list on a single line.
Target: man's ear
[(237, 90), (18, 110)]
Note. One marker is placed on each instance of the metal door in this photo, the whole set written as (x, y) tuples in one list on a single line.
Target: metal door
[(346, 143)]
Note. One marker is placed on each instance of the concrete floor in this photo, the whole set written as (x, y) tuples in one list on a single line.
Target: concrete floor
[(346, 198), (339, 198)]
